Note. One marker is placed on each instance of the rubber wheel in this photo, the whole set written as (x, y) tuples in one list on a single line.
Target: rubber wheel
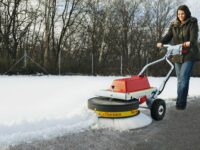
[(113, 105), (158, 109)]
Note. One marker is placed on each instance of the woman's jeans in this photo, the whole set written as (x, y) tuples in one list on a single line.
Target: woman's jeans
[(183, 73)]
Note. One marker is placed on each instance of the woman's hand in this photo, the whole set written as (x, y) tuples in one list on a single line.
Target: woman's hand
[(159, 45), (186, 44)]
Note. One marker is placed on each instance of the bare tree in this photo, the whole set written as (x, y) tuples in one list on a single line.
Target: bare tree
[(67, 32), (124, 14), (158, 15), (48, 4), (15, 24)]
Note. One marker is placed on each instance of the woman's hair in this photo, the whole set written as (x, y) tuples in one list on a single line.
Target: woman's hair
[(186, 10)]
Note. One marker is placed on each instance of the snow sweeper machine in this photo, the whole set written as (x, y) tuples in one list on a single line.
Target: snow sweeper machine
[(125, 95)]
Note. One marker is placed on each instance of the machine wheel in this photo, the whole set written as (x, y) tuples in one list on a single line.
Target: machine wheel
[(158, 109), (113, 108)]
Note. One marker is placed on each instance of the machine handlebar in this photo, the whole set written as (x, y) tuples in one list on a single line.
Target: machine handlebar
[(173, 49)]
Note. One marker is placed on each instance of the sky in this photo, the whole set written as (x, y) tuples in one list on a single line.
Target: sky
[(194, 6), (42, 107)]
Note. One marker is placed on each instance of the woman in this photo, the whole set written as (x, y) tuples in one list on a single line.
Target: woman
[(184, 30)]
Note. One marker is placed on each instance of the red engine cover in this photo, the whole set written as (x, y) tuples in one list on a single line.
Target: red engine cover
[(127, 85)]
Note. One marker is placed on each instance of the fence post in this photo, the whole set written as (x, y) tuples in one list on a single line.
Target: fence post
[(147, 61), (92, 64), (25, 59), (59, 62), (121, 65)]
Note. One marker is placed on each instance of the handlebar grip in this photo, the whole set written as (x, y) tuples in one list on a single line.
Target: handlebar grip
[(166, 45)]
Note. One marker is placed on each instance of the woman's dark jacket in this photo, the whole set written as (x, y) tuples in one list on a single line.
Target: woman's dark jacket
[(187, 31)]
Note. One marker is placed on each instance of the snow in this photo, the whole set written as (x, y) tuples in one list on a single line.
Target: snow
[(40, 107), (123, 124)]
